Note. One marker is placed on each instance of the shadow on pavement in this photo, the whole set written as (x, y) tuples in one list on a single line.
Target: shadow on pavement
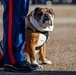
[(41, 73), (57, 73)]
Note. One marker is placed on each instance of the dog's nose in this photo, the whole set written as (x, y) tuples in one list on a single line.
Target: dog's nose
[(46, 16)]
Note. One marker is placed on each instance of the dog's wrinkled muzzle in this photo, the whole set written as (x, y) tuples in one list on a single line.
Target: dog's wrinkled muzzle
[(46, 18)]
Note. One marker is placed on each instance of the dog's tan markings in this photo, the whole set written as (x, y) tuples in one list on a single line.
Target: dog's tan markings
[(31, 43), (39, 13), (43, 10), (42, 54)]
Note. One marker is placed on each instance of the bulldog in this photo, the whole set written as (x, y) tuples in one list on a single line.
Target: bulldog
[(38, 25)]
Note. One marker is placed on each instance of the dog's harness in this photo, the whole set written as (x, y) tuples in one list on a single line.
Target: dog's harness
[(45, 33)]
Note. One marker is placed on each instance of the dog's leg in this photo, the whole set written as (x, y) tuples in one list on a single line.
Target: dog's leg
[(26, 53), (30, 53), (42, 55), (31, 42), (33, 58)]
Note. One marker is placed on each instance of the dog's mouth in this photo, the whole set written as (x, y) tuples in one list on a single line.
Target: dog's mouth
[(49, 22), (47, 19)]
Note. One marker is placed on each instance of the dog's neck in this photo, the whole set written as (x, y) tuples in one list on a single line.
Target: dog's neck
[(29, 24)]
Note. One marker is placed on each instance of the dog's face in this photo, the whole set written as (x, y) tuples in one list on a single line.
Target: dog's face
[(43, 16)]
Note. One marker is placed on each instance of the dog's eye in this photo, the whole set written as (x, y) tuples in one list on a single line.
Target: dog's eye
[(49, 11), (40, 13)]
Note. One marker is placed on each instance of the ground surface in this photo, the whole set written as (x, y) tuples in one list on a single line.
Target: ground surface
[(61, 46)]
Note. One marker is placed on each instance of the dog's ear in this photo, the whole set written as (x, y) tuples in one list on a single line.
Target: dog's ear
[(36, 9), (33, 12), (53, 14), (51, 10), (28, 16)]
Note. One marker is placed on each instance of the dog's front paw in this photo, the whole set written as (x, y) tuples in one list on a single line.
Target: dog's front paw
[(47, 62), (40, 66), (37, 64)]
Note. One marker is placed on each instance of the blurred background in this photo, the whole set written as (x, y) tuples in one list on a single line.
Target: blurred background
[(61, 46), (52, 2)]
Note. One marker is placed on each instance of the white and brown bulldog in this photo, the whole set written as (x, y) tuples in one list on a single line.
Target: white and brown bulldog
[(38, 23)]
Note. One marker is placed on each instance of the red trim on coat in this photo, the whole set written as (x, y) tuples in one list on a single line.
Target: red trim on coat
[(10, 51), (1, 57)]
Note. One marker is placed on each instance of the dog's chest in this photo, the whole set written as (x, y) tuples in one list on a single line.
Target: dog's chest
[(42, 39)]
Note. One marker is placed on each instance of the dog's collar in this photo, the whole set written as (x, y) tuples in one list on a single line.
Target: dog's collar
[(35, 30), (29, 25)]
